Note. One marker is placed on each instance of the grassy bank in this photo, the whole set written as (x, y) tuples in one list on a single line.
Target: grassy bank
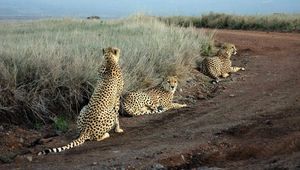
[(48, 68), (274, 22)]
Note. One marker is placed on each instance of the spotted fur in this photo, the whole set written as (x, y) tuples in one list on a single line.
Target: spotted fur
[(220, 65), (154, 100), (100, 115)]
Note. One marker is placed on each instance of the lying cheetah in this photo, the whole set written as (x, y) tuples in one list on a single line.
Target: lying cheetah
[(100, 116), (154, 100), (220, 65)]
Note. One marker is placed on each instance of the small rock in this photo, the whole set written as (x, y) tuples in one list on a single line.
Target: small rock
[(157, 167), (115, 151), (231, 95), (21, 140), (201, 97), (94, 163), (214, 82), (29, 158), (182, 157)]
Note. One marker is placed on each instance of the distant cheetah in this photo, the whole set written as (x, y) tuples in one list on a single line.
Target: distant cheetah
[(155, 100), (100, 115), (220, 65)]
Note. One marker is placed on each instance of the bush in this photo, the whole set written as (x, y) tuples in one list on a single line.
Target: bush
[(48, 68), (274, 22)]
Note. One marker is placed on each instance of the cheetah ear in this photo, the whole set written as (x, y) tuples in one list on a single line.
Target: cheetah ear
[(115, 51), (103, 51)]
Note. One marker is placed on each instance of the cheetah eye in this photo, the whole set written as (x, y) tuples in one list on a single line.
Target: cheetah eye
[(168, 81)]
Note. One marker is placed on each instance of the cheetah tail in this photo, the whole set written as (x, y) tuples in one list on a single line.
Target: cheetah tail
[(82, 138)]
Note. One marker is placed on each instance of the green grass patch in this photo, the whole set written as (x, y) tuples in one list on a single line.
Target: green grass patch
[(61, 124)]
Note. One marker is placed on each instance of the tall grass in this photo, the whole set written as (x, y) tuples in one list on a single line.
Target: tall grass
[(274, 22), (48, 68)]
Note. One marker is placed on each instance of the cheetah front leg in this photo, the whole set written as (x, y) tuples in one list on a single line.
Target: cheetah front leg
[(224, 75), (236, 69), (151, 106), (177, 105), (174, 106), (117, 123), (145, 111), (155, 109)]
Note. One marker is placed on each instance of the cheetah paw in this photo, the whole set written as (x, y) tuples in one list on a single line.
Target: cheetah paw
[(119, 130), (106, 135)]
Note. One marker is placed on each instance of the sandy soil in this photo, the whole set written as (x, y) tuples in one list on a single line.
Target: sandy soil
[(252, 121)]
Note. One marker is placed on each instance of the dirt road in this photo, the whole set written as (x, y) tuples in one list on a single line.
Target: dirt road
[(252, 123)]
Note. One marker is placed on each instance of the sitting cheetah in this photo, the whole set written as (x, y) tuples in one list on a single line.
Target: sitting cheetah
[(154, 100), (100, 116), (220, 65)]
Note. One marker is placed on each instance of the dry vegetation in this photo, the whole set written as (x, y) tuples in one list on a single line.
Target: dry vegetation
[(48, 68), (274, 22)]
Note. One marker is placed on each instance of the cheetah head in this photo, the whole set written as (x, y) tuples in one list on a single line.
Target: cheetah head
[(229, 48), (111, 53), (170, 83)]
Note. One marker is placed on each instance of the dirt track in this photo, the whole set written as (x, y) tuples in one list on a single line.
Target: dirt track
[(252, 123)]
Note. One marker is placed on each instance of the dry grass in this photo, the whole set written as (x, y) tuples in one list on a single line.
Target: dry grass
[(48, 68)]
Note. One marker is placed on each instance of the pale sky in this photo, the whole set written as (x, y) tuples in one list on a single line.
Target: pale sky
[(123, 8)]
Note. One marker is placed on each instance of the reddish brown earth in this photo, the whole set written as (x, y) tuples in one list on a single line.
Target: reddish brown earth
[(252, 121)]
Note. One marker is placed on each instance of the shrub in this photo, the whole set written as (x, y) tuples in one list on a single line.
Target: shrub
[(274, 22)]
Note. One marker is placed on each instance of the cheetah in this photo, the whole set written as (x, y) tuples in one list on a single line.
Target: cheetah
[(99, 116), (154, 100), (220, 65)]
